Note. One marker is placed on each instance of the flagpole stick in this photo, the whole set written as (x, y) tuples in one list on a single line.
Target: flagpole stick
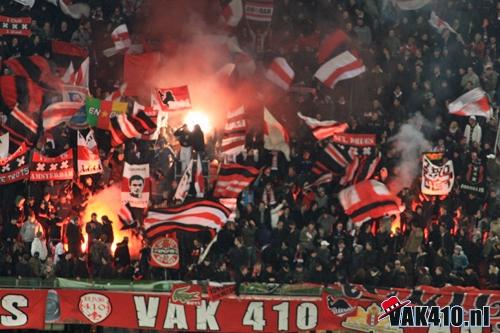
[(205, 253), (497, 142)]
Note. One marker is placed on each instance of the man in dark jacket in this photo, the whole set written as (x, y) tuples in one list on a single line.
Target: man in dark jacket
[(74, 236), (107, 229), (122, 254), (94, 230)]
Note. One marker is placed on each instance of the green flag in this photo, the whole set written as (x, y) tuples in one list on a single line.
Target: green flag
[(92, 108)]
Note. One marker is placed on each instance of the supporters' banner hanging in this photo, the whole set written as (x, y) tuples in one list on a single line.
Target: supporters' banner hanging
[(259, 10), (136, 185), (45, 168), (233, 140), (99, 111), (58, 113), (368, 200), (22, 309), (165, 252), (20, 91), (172, 99), (15, 167), (280, 73), (411, 4), (192, 217), (436, 179), (323, 129), (472, 103), (4, 145), (88, 162), (342, 67), (275, 135), (181, 290), (18, 26), (233, 178)]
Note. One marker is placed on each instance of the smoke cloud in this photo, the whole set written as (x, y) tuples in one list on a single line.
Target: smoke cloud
[(408, 144)]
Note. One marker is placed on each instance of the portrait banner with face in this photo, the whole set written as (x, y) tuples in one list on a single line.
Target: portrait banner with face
[(136, 185)]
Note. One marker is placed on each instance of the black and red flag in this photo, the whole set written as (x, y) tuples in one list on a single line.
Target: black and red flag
[(35, 68), (20, 91), (124, 127), (22, 127), (44, 168), (233, 178), (15, 167)]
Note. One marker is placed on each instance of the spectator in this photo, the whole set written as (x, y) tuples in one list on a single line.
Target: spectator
[(38, 246), (473, 132)]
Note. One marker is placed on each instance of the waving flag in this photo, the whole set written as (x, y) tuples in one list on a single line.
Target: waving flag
[(472, 103), (126, 217), (332, 45), (233, 178), (15, 167), (342, 67), (171, 99), (4, 145), (100, 111), (233, 140), (275, 135), (184, 183), (232, 13), (368, 200), (436, 179), (439, 24), (88, 162), (76, 10), (280, 73), (44, 168), (192, 217), (124, 127), (28, 3), (35, 68), (22, 127), (58, 113), (17, 26), (199, 180), (157, 116), (412, 4), (121, 37), (68, 49), (20, 91), (323, 129)]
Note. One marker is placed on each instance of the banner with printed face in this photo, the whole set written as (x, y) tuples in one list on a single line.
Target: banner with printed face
[(45, 168), (437, 179), (22, 309), (136, 185)]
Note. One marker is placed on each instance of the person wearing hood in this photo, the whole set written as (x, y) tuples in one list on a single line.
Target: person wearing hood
[(39, 246)]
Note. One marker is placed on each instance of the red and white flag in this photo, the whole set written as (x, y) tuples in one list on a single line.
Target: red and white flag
[(342, 67), (233, 13), (77, 78), (121, 37), (172, 99), (275, 135), (136, 185), (158, 116), (331, 45), (412, 4), (280, 73), (117, 94), (199, 180), (69, 74), (234, 178), (233, 140), (183, 186), (323, 129), (44, 168), (439, 24), (58, 113), (88, 161), (472, 103), (368, 200)]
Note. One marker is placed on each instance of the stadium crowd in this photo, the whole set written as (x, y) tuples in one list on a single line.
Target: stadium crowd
[(284, 232)]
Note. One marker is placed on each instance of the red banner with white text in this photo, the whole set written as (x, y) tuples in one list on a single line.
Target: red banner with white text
[(22, 309)]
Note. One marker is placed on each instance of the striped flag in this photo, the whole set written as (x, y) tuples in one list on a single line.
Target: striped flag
[(233, 178), (121, 37), (412, 4), (323, 129), (321, 174), (232, 13), (369, 200), (342, 67), (20, 91), (35, 68), (191, 217), (275, 135), (158, 116), (22, 127), (332, 44), (280, 73), (124, 127), (233, 140), (472, 103), (126, 217), (58, 113)]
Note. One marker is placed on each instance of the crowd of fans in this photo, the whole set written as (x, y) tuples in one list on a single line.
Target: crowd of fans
[(283, 232)]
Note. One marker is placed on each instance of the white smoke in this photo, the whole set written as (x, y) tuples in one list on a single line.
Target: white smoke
[(408, 144)]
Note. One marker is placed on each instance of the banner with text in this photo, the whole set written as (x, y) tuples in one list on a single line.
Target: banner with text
[(22, 309)]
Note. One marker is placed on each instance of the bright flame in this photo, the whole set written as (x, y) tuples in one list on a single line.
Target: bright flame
[(107, 202), (396, 224), (198, 118)]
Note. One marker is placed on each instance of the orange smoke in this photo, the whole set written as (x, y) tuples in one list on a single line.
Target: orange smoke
[(107, 202)]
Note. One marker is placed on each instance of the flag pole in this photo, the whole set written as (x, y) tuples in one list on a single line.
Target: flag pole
[(205, 253), (497, 139)]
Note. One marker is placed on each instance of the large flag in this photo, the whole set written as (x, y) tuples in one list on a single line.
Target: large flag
[(45, 168), (121, 37), (81, 76), (323, 129), (35, 68), (233, 140), (20, 91), (233, 178), (72, 93), (88, 161), (157, 116), (412, 4), (124, 127), (15, 167), (199, 180), (184, 183), (17, 26), (436, 179), (172, 99), (275, 135), (472, 103), (191, 217), (22, 127), (368, 200), (138, 69), (342, 67), (4, 145), (136, 185), (99, 112), (259, 10), (232, 13), (60, 112), (439, 24), (280, 73), (332, 45)]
